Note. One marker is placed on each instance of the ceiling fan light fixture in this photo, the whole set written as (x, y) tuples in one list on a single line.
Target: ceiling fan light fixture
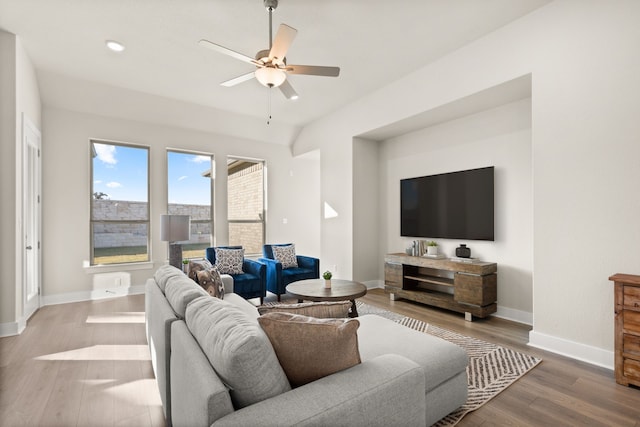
[(270, 77)]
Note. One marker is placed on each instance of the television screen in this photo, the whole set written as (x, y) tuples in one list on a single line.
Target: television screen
[(456, 205)]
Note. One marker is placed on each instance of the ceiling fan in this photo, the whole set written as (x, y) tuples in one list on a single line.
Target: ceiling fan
[(271, 64)]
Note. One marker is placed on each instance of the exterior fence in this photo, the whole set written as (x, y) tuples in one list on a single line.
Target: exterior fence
[(130, 235)]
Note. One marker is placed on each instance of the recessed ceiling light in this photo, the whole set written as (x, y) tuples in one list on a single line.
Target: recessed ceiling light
[(114, 45)]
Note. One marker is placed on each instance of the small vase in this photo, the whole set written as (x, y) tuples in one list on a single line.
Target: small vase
[(327, 283), (432, 250), (463, 251)]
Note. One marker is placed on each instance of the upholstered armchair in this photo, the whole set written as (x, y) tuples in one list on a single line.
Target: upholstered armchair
[(279, 276), (251, 283)]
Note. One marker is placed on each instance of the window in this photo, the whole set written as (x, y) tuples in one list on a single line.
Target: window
[(119, 203), (246, 204), (190, 192)]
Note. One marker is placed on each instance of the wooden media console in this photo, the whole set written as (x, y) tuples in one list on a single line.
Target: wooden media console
[(465, 287)]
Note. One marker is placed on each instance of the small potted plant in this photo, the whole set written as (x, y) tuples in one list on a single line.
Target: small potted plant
[(327, 279), (185, 266), (432, 248)]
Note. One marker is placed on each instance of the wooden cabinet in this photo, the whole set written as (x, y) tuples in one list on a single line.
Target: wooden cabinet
[(627, 328), (469, 288)]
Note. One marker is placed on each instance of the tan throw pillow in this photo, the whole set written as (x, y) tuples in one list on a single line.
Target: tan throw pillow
[(286, 255), (211, 282), (229, 261), (309, 348), (320, 310), (198, 265)]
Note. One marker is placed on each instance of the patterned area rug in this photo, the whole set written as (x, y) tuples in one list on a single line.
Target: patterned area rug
[(492, 368)]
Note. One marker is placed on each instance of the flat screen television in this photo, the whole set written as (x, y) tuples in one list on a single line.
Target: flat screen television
[(456, 205)]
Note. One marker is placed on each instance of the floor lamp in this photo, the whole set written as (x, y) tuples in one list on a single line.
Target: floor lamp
[(175, 228)]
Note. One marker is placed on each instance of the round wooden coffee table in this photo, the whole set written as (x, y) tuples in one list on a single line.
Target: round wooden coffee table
[(341, 290)]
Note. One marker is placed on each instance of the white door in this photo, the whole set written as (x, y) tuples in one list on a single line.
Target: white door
[(31, 217)]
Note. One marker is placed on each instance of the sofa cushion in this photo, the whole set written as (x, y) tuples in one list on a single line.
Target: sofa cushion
[(211, 282), (164, 273), (238, 350), (243, 305), (309, 348), (198, 265), (229, 261), (286, 255), (320, 310), (440, 359), (181, 291)]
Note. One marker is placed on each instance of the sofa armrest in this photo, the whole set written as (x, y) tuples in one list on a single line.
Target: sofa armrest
[(387, 390), (227, 281), (310, 263)]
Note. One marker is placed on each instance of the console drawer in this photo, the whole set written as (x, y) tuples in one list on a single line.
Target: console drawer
[(631, 369), (632, 296), (631, 345), (631, 321)]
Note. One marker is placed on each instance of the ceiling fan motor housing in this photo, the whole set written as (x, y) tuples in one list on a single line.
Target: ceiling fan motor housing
[(263, 56), (271, 4)]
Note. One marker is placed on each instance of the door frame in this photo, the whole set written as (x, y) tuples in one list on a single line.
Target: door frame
[(31, 174)]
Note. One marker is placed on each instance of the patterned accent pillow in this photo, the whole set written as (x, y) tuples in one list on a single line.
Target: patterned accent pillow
[(211, 282), (229, 261), (198, 265), (286, 255), (309, 348)]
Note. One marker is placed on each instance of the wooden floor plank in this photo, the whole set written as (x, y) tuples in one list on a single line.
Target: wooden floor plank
[(89, 362)]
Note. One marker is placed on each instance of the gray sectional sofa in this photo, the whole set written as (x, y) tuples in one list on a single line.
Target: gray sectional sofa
[(198, 343)]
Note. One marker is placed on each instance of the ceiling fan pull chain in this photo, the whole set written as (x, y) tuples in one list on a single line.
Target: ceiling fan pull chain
[(269, 105)]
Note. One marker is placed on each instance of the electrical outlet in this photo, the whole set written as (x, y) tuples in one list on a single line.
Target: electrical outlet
[(335, 268)]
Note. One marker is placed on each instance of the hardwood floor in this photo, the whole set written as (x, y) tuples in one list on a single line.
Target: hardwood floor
[(87, 364), (558, 392), (80, 364)]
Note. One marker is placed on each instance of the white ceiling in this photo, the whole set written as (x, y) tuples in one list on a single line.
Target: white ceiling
[(374, 42)]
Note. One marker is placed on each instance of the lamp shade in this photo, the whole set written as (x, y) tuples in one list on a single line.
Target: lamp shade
[(175, 228), (270, 77)]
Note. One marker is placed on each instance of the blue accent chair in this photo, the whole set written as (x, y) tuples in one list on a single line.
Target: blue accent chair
[(251, 284), (278, 278)]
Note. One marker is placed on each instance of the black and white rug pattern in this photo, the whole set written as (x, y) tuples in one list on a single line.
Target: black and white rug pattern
[(492, 368)]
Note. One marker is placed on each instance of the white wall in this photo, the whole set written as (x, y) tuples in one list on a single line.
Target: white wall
[(366, 210), (66, 174), (582, 56), (500, 137), (301, 207), (8, 173), (19, 95)]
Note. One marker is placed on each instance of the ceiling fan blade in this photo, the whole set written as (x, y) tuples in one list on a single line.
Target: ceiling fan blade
[(226, 51), (282, 42), (238, 80), (313, 70), (288, 91)]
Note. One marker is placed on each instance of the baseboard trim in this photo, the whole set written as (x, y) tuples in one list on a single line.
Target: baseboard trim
[(374, 284), (96, 294), (514, 315), (585, 353)]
